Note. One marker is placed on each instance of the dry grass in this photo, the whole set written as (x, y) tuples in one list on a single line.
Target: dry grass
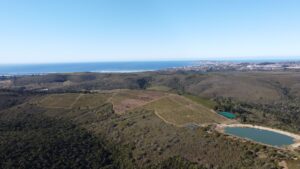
[(92, 100), (59, 100), (293, 164), (74, 100), (159, 88), (172, 108), (179, 111), (130, 99)]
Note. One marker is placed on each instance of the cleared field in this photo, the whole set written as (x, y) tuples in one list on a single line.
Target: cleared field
[(130, 99), (59, 100), (180, 111), (205, 102), (91, 100), (122, 100), (171, 108), (159, 88), (74, 100)]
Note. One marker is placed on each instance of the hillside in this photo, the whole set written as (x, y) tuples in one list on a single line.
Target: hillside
[(258, 97), (140, 137), (245, 86), (144, 120)]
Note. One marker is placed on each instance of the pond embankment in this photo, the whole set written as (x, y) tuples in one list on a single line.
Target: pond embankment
[(296, 137)]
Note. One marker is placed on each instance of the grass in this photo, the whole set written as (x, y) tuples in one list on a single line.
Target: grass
[(92, 100), (205, 102), (172, 108), (74, 100), (59, 100), (179, 111), (293, 164), (159, 88), (130, 99)]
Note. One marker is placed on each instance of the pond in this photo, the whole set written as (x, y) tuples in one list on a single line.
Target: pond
[(259, 135), (228, 115)]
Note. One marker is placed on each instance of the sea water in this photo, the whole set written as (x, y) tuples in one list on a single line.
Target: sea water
[(22, 69)]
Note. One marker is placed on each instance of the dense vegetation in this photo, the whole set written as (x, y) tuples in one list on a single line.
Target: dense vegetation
[(282, 114), (10, 99), (30, 138), (37, 141), (179, 163)]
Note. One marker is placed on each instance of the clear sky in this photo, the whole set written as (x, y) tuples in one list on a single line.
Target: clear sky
[(35, 31)]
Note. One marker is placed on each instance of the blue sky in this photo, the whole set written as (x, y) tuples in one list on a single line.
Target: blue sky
[(44, 31)]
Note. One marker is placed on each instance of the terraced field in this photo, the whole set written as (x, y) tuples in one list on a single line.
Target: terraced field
[(171, 108), (88, 101), (59, 100), (178, 110), (126, 100)]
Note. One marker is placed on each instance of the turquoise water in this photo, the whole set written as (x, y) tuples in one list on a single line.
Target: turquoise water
[(22, 69), (262, 136), (228, 115)]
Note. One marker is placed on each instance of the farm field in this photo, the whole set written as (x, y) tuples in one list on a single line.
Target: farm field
[(171, 108), (178, 110)]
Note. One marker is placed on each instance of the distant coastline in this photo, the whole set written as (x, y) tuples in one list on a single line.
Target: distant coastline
[(145, 66), (101, 67)]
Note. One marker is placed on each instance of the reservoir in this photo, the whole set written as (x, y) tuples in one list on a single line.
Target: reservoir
[(228, 115), (259, 135)]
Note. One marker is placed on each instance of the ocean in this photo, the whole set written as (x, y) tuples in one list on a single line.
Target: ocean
[(103, 67)]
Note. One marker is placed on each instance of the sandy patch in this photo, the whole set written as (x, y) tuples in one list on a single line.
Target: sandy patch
[(128, 100), (283, 164), (5, 83)]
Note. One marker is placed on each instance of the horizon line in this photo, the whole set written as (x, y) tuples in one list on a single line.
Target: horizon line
[(167, 60)]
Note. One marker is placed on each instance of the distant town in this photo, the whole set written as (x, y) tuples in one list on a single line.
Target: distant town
[(210, 66)]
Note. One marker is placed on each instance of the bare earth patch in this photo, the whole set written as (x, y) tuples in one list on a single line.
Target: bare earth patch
[(59, 100), (5, 83), (131, 99)]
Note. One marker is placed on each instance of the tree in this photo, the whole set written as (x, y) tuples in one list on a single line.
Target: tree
[(143, 83)]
